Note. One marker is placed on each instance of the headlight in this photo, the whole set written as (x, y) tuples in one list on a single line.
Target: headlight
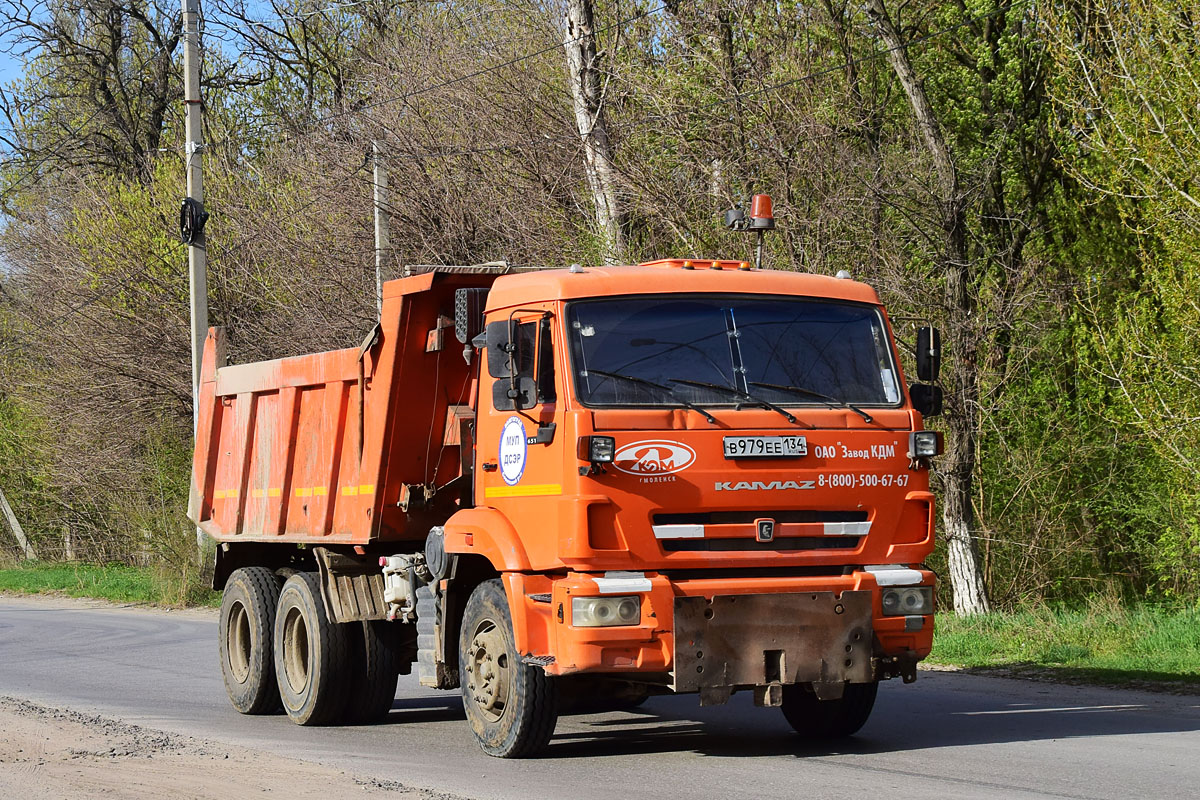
[(597, 449), (605, 612), (924, 444), (905, 602)]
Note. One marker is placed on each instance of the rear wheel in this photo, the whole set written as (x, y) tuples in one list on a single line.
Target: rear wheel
[(376, 661), (828, 719), (245, 636), (312, 654), (512, 707)]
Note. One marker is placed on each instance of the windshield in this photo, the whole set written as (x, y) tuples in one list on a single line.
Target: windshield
[(783, 350)]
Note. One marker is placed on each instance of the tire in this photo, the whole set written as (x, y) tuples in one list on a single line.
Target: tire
[(312, 654), (828, 719), (376, 664), (246, 634), (512, 707)]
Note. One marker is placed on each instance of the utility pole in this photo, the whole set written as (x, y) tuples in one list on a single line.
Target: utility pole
[(193, 145), (6, 509), (381, 220)]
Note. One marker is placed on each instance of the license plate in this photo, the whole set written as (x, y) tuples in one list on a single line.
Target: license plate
[(765, 446)]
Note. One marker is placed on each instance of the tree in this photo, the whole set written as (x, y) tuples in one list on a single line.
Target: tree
[(1129, 85), (102, 87), (584, 76)]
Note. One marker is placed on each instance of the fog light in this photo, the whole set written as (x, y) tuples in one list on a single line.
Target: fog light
[(597, 449), (924, 444), (605, 612), (903, 602)]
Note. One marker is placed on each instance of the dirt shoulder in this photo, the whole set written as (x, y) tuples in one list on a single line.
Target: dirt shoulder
[(49, 753)]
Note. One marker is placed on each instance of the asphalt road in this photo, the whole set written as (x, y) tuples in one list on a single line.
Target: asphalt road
[(947, 735)]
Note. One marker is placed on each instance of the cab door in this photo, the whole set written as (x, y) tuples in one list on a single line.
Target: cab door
[(520, 432)]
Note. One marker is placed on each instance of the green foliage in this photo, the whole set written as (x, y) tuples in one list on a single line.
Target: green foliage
[(1105, 642), (24, 471), (118, 583)]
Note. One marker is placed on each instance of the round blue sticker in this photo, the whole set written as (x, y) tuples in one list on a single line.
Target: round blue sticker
[(512, 450)]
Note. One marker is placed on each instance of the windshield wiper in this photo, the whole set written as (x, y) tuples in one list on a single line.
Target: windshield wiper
[(737, 393), (643, 382), (832, 402)]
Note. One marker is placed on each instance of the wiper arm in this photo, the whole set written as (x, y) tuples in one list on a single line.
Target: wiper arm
[(832, 402), (643, 382), (737, 393)]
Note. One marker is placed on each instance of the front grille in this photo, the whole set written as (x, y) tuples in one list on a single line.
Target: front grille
[(748, 517), (755, 572), (740, 545)]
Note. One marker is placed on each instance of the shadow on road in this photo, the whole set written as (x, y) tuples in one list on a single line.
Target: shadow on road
[(940, 711), (411, 710), (904, 719)]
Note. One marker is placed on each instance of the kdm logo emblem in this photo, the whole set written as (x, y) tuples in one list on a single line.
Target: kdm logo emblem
[(654, 457)]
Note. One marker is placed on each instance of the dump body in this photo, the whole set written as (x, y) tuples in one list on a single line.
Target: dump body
[(319, 448)]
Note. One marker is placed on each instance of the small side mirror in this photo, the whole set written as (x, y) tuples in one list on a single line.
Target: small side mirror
[(929, 353), (526, 394), (926, 398), (501, 355), (468, 313)]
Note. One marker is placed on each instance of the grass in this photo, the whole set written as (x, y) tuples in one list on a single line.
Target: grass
[(1121, 645), (117, 583)]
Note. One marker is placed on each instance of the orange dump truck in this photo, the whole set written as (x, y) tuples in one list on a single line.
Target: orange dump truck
[(577, 486)]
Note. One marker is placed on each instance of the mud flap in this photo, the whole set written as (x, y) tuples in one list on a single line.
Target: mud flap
[(769, 640)]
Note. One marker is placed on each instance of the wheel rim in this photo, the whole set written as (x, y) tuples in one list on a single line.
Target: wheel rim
[(237, 642), (489, 672), (295, 650)]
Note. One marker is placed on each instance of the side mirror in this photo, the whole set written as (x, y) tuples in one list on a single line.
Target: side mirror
[(926, 398), (468, 313), (501, 353), (929, 353), (505, 398)]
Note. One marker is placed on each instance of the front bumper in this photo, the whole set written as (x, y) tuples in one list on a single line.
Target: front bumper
[(698, 634)]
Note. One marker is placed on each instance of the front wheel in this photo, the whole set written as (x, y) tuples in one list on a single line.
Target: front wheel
[(828, 719), (512, 707)]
